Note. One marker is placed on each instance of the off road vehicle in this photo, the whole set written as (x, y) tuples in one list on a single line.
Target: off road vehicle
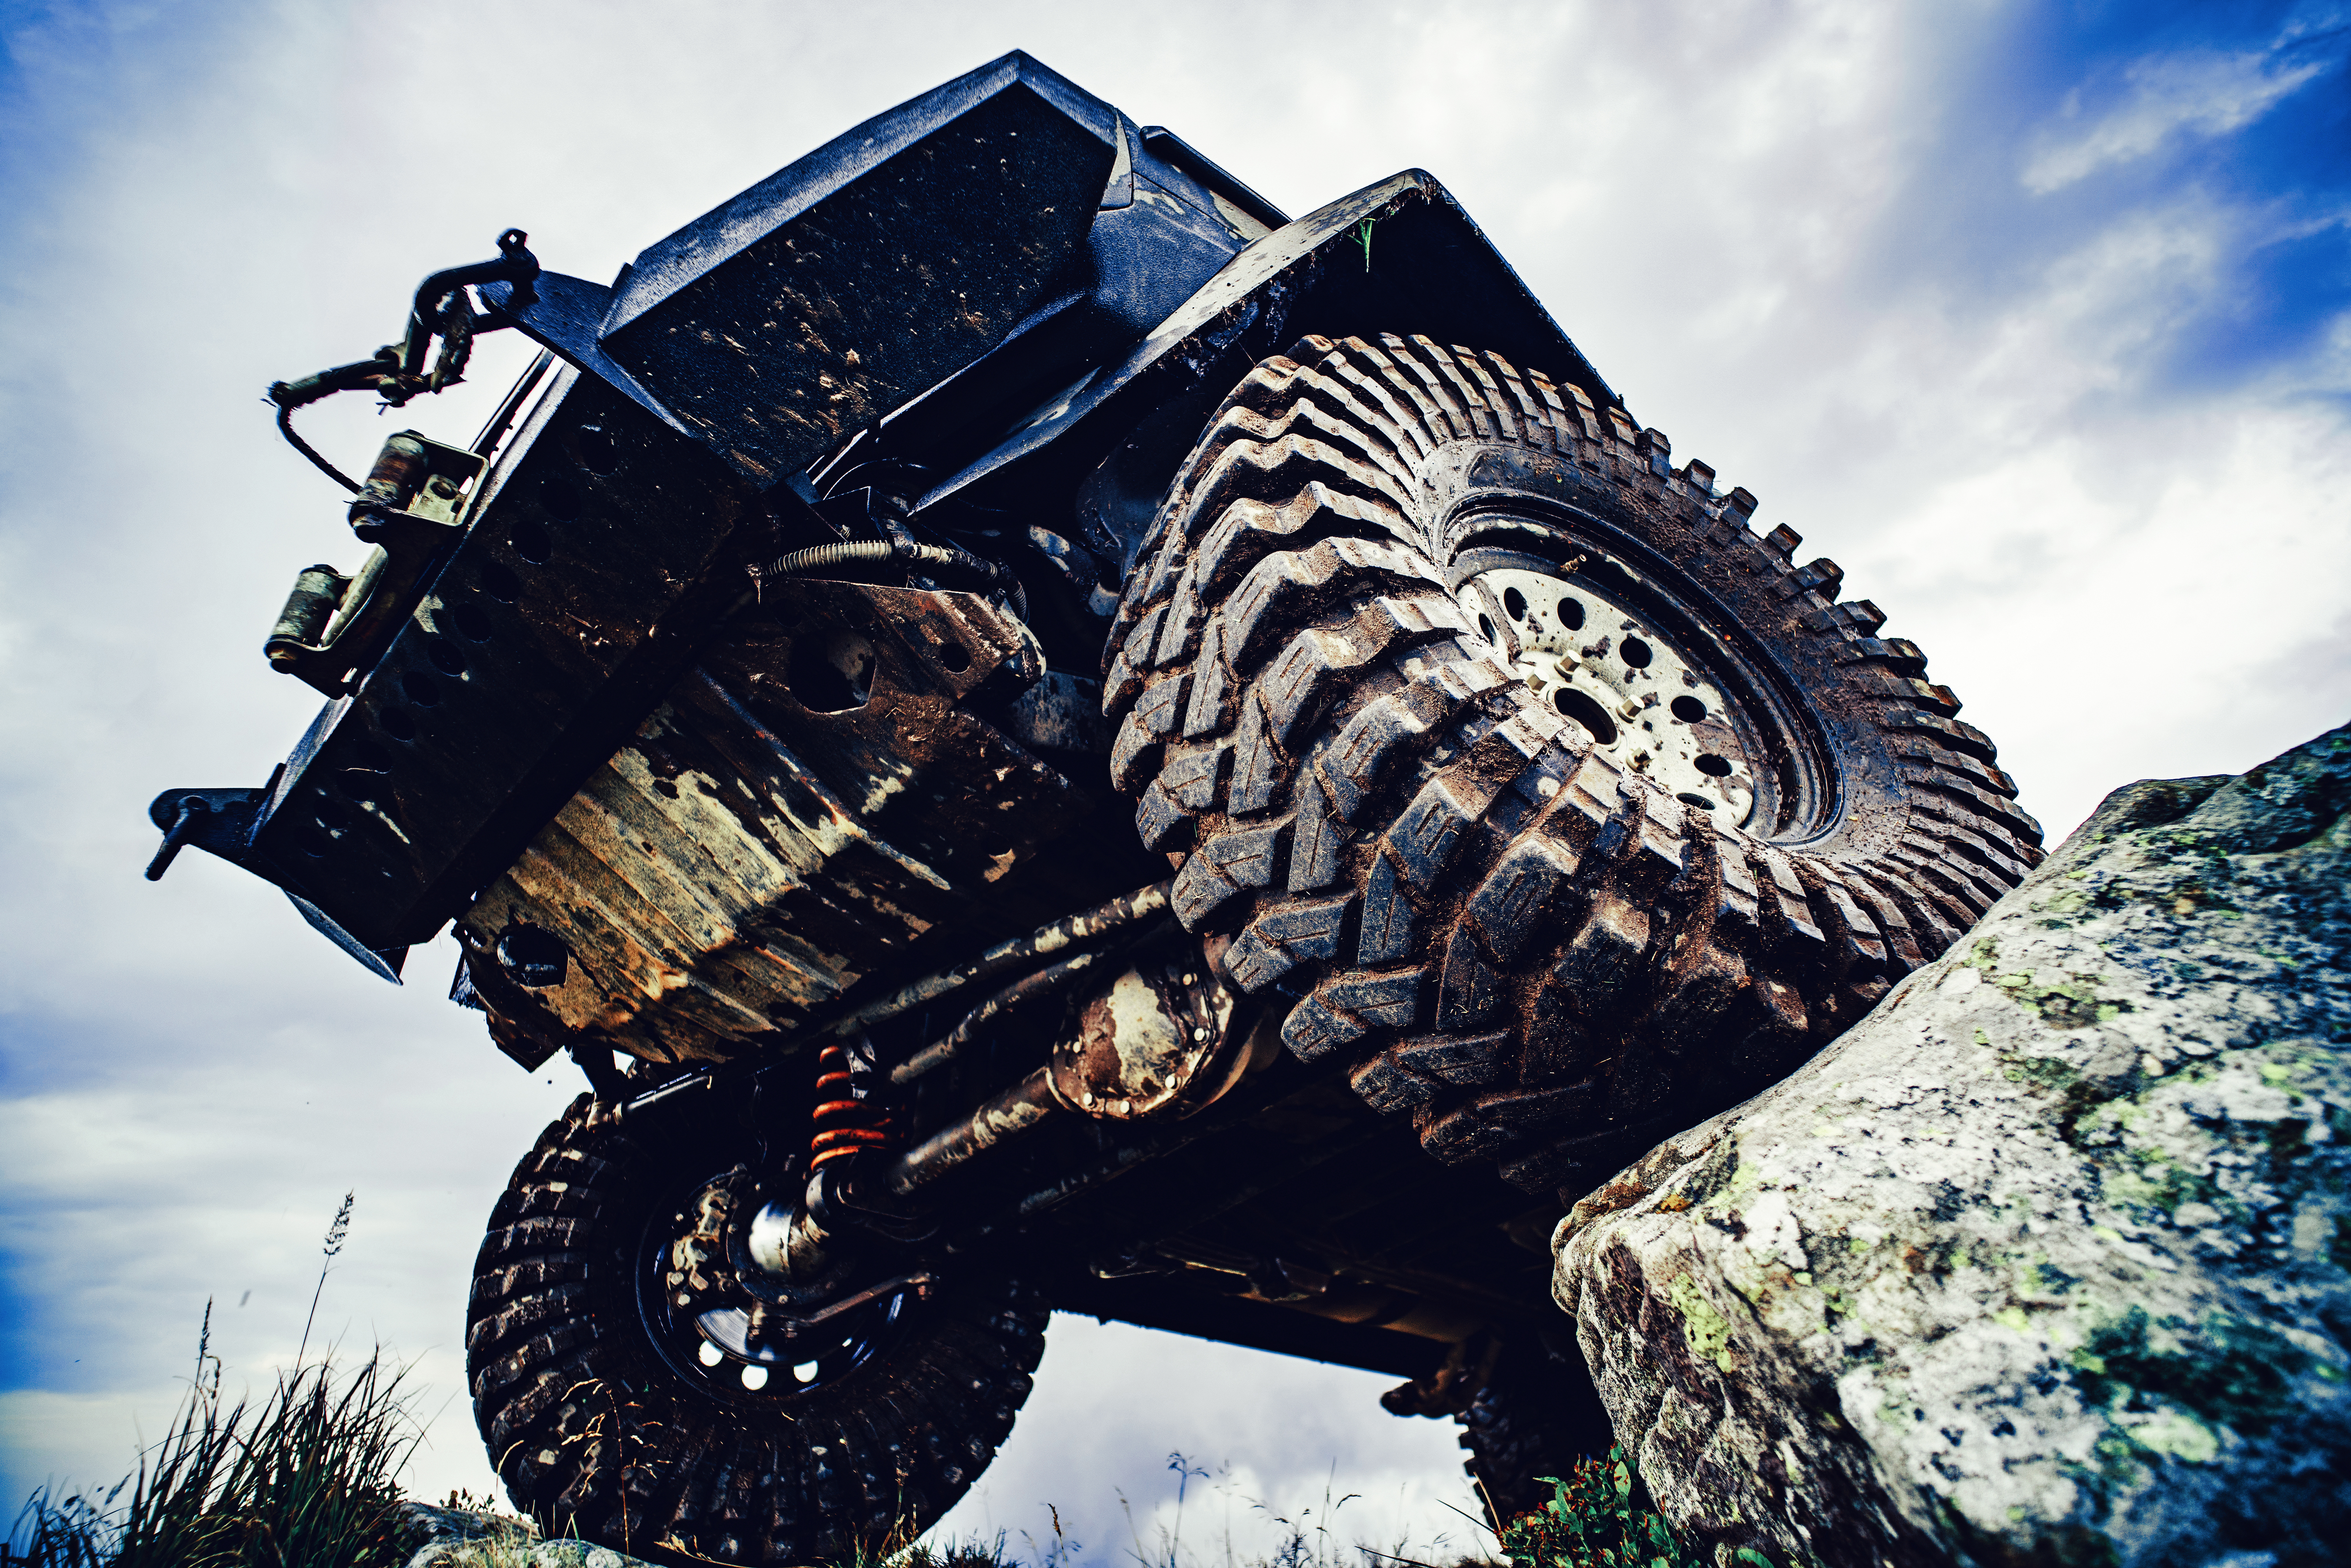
[(1049, 737)]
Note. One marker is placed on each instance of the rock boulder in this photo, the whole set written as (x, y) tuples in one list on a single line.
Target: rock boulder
[(2049, 1259), (472, 1538)]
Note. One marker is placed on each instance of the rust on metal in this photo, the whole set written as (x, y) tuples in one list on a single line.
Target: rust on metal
[(1155, 1041), (1119, 912), (1001, 1117), (718, 885)]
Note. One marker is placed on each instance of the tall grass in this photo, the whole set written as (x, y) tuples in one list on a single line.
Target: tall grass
[(305, 1478), (308, 1478), (1304, 1535)]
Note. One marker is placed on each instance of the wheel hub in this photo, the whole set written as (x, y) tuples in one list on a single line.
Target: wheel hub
[(1628, 688), (712, 1329)]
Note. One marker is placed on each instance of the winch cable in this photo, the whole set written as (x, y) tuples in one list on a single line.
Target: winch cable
[(442, 308), (286, 429), (454, 323)]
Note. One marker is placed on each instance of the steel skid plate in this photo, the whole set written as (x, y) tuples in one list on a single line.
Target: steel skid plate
[(816, 795)]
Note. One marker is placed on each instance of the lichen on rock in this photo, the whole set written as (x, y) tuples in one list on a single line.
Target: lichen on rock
[(2049, 1259), (476, 1538)]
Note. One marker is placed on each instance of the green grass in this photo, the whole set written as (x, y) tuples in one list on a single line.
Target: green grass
[(308, 1478), (1598, 1518), (304, 1478)]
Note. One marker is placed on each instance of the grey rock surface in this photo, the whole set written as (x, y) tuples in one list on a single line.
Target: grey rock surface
[(461, 1538), (2049, 1259)]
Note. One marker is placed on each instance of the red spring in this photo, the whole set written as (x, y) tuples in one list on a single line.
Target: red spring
[(844, 1125)]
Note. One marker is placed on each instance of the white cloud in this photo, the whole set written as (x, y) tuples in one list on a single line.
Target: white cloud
[(1719, 203), (2196, 93), (1274, 1435)]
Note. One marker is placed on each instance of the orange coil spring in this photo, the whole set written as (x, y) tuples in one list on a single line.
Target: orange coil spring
[(844, 1124)]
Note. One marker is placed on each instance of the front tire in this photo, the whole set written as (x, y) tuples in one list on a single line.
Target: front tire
[(612, 1418), (1567, 810)]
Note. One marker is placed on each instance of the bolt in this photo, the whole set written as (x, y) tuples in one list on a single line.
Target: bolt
[(443, 485)]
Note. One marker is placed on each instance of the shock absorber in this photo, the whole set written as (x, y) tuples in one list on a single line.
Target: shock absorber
[(845, 1121), (849, 1117), (786, 1237)]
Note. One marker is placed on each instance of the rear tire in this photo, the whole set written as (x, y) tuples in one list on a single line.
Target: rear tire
[(604, 1421), (1390, 787), (1537, 1415)]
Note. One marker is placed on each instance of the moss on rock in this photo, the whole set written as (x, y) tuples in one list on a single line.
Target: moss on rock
[(2048, 1260)]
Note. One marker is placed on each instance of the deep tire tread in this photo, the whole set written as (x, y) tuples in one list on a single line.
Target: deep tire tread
[(1501, 936), (590, 1432)]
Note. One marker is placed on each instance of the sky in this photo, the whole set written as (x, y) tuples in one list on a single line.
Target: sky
[(2033, 317)]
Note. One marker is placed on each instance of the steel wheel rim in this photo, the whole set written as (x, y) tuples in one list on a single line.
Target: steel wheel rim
[(702, 1331), (1755, 723), (1638, 699)]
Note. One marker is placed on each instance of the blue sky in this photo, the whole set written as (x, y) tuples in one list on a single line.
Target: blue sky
[(2033, 317)]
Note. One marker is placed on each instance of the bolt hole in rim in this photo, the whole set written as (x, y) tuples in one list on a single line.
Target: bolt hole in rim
[(1635, 656), (1630, 693), (1586, 710), (703, 1334)]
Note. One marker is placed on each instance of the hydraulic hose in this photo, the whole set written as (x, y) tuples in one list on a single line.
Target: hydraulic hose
[(901, 551), (820, 555)]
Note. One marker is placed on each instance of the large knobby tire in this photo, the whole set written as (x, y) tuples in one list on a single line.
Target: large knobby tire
[(1321, 672), (1526, 1410), (598, 1432), (1535, 1416)]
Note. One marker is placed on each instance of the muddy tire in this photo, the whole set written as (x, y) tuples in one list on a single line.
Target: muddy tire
[(1565, 806), (1537, 1415), (610, 1420)]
